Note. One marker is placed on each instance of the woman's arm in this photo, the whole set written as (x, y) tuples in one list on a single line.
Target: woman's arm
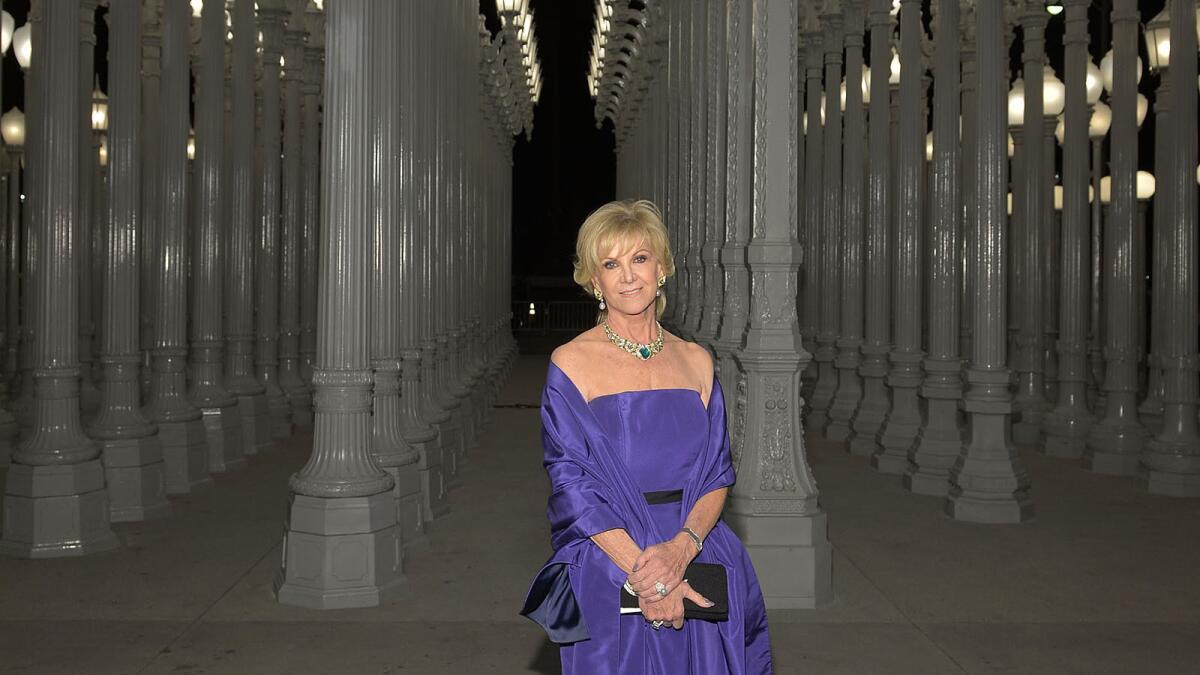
[(620, 547), (666, 562)]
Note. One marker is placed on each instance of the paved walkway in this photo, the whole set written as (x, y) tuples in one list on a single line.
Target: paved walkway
[(1105, 580)]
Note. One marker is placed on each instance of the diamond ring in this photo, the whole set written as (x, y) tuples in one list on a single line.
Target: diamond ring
[(657, 624), (660, 588)]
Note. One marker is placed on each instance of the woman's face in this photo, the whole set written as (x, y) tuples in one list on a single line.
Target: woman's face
[(628, 278)]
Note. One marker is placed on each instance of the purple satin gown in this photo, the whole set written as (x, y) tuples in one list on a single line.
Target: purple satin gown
[(601, 457)]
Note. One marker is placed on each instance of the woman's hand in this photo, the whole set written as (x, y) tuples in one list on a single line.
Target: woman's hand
[(662, 563), (670, 609)]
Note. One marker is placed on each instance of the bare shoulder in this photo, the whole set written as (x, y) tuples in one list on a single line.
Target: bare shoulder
[(697, 359), (572, 357)]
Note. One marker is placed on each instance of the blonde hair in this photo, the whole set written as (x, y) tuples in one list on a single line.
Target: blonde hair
[(626, 222)]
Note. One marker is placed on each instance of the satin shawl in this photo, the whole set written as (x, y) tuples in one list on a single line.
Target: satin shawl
[(591, 492)]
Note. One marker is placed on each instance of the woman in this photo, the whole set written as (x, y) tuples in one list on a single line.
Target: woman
[(638, 457)]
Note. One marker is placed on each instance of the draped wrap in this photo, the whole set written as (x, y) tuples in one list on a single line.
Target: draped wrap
[(574, 595)]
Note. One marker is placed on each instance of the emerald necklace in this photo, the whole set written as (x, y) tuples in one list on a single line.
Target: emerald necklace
[(643, 352)]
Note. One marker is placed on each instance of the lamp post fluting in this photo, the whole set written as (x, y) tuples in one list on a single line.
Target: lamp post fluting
[(292, 223), (904, 418), (271, 16), (222, 419), (872, 411), (1028, 296), (988, 483), (89, 395), (180, 426), (849, 341), (132, 451), (940, 440), (239, 282), (830, 209), (56, 471), (1066, 426), (310, 154), (739, 195), (714, 217), (810, 220), (1172, 457), (353, 559), (1115, 442)]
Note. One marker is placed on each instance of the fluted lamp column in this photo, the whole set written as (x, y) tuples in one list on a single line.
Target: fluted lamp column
[(271, 16), (714, 237), (55, 501), (739, 195), (940, 440), (815, 280), (903, 424), (989, 483), (89, 395), (774, 505), (830, 208), (239, 284), (314, 66), (132, 451), (848, 359), (222, 418), (389, 448), (1172, 458), (180, 425), (292, 223), (1116, 441), (873, 409), (1066, 426), (341, 542)]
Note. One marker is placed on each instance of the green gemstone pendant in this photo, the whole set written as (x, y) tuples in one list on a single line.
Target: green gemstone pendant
[(644, 352)]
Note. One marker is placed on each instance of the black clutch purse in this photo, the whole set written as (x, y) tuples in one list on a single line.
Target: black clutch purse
[(709, 580)]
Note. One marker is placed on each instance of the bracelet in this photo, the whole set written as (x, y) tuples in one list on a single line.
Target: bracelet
[(695, 538)]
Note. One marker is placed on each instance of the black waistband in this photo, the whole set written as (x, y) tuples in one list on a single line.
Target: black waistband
[(663, 497)]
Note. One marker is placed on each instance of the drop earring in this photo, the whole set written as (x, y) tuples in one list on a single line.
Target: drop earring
[(600, 297), (658, 291)]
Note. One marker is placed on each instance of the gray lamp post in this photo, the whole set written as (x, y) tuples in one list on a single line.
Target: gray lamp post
[(89, 396), (239, 283), (714, 239), (55, 499), (180, 428), (387, 235), (697, 83), (132, 451), (988, 483), (830, 209), (292, 222), (1115, 442), (1066, 426), (271, 16), (739, 197), (774, 506), (222, 419), (814, 279), (12, 127), (314, 54), (151, 198), (1172, 457), (353, 559), (1098, 125), (1031, 188), (940, 441), (872, 411), (849, 384), (904, 419)]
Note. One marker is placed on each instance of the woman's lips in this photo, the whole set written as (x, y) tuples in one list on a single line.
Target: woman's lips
[(634, 291)]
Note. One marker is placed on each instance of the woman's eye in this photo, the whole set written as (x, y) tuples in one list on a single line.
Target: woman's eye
[(608, 264), (640, 258)]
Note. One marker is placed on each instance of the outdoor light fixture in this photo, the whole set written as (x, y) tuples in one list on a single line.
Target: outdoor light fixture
[(1143, 106), (22, 44), (1158, 40), (1054, 7), (103, 151), (929, 147), (1143, 187), (197, 8), (99, 109), (866, 87), (12, 127), (1101, 120), (1094, 83), (191, 144), (6, 31), (1106, 73), (1012, 146), (894, 76), (1054, 93), (1016, 103)]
